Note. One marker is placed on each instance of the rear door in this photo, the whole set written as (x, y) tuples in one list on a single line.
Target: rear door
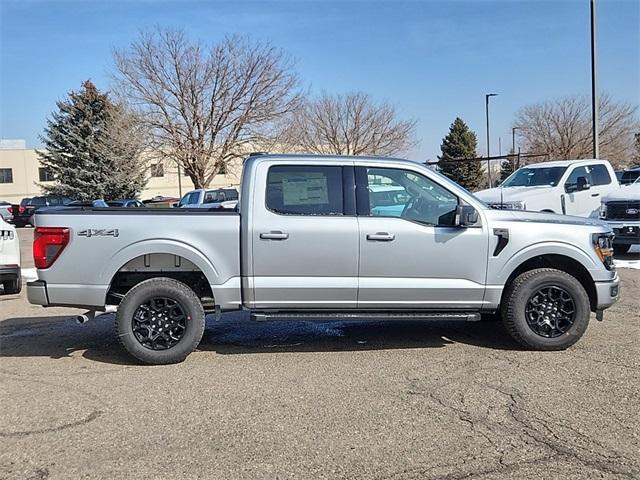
[(304, 237)]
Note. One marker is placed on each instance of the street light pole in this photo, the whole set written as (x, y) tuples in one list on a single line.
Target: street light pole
[(513, 139), (594, 93), (486, 103)]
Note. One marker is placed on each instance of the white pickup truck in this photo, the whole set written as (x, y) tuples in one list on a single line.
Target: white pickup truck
[(621, 210), (571, 187)]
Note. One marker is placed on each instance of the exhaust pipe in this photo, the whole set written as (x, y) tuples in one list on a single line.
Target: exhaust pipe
[(92, 314)]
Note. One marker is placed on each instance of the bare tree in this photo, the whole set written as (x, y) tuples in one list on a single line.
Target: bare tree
[(351, 124), (205, 106), (562, 127)]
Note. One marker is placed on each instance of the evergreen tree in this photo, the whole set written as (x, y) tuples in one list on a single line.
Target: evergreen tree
[(461, 142), (507, 167), (92, 148)]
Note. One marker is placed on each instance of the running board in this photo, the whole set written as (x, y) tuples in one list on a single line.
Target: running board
[(324, 316)]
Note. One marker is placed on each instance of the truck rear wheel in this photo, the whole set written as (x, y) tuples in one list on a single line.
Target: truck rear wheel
[(160, 321), (546, 309)]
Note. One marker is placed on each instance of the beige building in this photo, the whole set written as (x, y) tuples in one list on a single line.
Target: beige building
[(21, 174)]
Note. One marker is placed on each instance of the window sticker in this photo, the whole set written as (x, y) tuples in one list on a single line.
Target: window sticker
[(305, 189)]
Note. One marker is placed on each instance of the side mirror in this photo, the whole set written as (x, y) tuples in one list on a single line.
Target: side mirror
[(583, 184), (466, 216)]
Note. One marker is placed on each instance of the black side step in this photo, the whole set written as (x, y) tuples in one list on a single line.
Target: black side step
[(364, 315)]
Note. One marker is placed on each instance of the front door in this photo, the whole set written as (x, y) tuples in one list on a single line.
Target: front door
[(411, 254), (305, 238), (586, 203)]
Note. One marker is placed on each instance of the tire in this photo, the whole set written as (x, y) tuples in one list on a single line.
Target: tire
[(12, 287), (621, 248), (145, 301), (517, 319)]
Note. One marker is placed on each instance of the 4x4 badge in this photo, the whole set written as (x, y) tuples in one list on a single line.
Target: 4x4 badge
[(92, 232)]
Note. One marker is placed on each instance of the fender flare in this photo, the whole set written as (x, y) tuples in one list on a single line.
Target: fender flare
[(541, 249), (167, 246)]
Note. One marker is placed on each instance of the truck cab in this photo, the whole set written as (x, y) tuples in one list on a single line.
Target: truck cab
[(571, 187)]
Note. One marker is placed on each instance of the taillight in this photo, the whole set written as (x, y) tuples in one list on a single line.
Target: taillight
[(10, 210), (48, 243), (21, 209)]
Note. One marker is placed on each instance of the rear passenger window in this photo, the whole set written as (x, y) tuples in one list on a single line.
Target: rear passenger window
[(305, 190), (600, 175)]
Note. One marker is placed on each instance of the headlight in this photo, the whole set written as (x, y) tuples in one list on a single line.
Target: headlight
[(603, 245), (603, 210), (516, 205)]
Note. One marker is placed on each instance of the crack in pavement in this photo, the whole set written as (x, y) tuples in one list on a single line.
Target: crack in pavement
[(526, 425), (91, 417)]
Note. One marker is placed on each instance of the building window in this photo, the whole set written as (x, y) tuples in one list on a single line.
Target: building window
[(157, 170), (6, 175), (45, 174)]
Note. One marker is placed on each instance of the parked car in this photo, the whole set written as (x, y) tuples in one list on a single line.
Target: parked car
[(621, 210), (5, 210), (160, 201), (10, 273), (226, 198), (128, 203), (572, 187), (23, 213), (630, 176), (307, 241)]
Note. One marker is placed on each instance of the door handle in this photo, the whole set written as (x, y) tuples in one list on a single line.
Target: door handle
[(381, 237), (595, 194), (274, 236)]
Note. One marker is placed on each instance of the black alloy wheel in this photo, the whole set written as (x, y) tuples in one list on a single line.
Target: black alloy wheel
[(159, 323), (550, 311)]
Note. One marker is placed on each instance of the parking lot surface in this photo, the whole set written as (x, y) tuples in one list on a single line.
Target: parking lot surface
[(367, 400)]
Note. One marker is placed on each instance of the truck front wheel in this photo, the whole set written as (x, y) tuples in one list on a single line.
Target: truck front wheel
[(546, 309), (160, 321)]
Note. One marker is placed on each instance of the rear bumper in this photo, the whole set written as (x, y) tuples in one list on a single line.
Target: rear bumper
[(607, 293), (9, 272), (37, 293), (46, 294)]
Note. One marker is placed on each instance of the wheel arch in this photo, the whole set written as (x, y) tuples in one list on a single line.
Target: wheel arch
[(150, 249), (562, 262)]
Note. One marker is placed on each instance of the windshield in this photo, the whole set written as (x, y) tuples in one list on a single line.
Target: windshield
[(535, 177)]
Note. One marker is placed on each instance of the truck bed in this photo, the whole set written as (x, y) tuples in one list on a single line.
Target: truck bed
[(103, 242)]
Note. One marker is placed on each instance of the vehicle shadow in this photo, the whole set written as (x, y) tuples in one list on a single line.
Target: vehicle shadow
[(59, 337)]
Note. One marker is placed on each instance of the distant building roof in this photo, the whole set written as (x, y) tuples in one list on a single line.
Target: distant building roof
[(7, 144)]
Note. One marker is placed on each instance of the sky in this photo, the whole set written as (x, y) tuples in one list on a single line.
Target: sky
[(433, 60)]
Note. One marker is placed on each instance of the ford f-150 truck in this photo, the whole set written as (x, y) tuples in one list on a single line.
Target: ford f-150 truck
[(308, 240)]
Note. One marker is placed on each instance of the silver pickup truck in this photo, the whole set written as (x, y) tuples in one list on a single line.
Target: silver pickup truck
[(318, 237)]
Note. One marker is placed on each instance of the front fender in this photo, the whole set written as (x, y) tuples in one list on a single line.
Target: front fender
[(595, 268)]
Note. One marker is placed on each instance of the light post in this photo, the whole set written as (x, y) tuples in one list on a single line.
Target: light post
[(594, 93), (486, 103), (513, 139)]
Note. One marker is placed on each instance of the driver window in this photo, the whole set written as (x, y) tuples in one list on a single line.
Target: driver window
[(405, 194), (578, 172)]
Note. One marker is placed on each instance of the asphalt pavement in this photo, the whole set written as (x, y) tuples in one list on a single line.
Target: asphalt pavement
[(293, 399)]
